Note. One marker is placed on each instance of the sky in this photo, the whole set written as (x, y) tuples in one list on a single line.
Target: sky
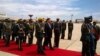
[(62, 9)]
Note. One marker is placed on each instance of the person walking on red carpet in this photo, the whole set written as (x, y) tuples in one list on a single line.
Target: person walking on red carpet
[(39, 27), (31, 31), (48, 34), (14, 31), (26, 30), (1, 28), (7, 31), (21, 35)]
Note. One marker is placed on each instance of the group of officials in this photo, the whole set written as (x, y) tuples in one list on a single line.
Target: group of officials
[(23, 29), (20, 30), (90, 35)]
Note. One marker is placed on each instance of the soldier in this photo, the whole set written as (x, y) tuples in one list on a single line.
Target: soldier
[(87, 37), (26, 30), (21, 34), (1, 28), (48, 34), (14, 31), (57, 32), (70, 29), (31, 31), (63, 29), (39, 35), (96, 33), (7, 31)]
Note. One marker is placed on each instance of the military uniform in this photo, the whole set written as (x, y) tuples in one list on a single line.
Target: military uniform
[(70, 29), (39, 26), (63, 29), (7, 32), (14, 31), (26, 30), (87, 38), (96, 34), (1, 28), (20, 36), (57, 32), (31, 31)]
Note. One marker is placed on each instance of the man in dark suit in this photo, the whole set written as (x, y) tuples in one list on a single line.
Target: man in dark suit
[(48, 33), (70, 29), (57, 32), (63, 29)]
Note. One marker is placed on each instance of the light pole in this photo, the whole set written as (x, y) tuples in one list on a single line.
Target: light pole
[(71, 16)]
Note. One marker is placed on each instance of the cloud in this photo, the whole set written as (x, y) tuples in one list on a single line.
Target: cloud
[(56, 2), (96, 15), (42, 8)]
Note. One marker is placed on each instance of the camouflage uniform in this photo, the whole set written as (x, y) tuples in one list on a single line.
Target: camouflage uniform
[(39, 27), (7, 31)]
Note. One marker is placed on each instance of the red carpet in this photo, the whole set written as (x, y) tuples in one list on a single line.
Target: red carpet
[(31, 50)]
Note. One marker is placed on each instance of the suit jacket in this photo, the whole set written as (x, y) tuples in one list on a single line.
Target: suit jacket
[(48, 30)]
